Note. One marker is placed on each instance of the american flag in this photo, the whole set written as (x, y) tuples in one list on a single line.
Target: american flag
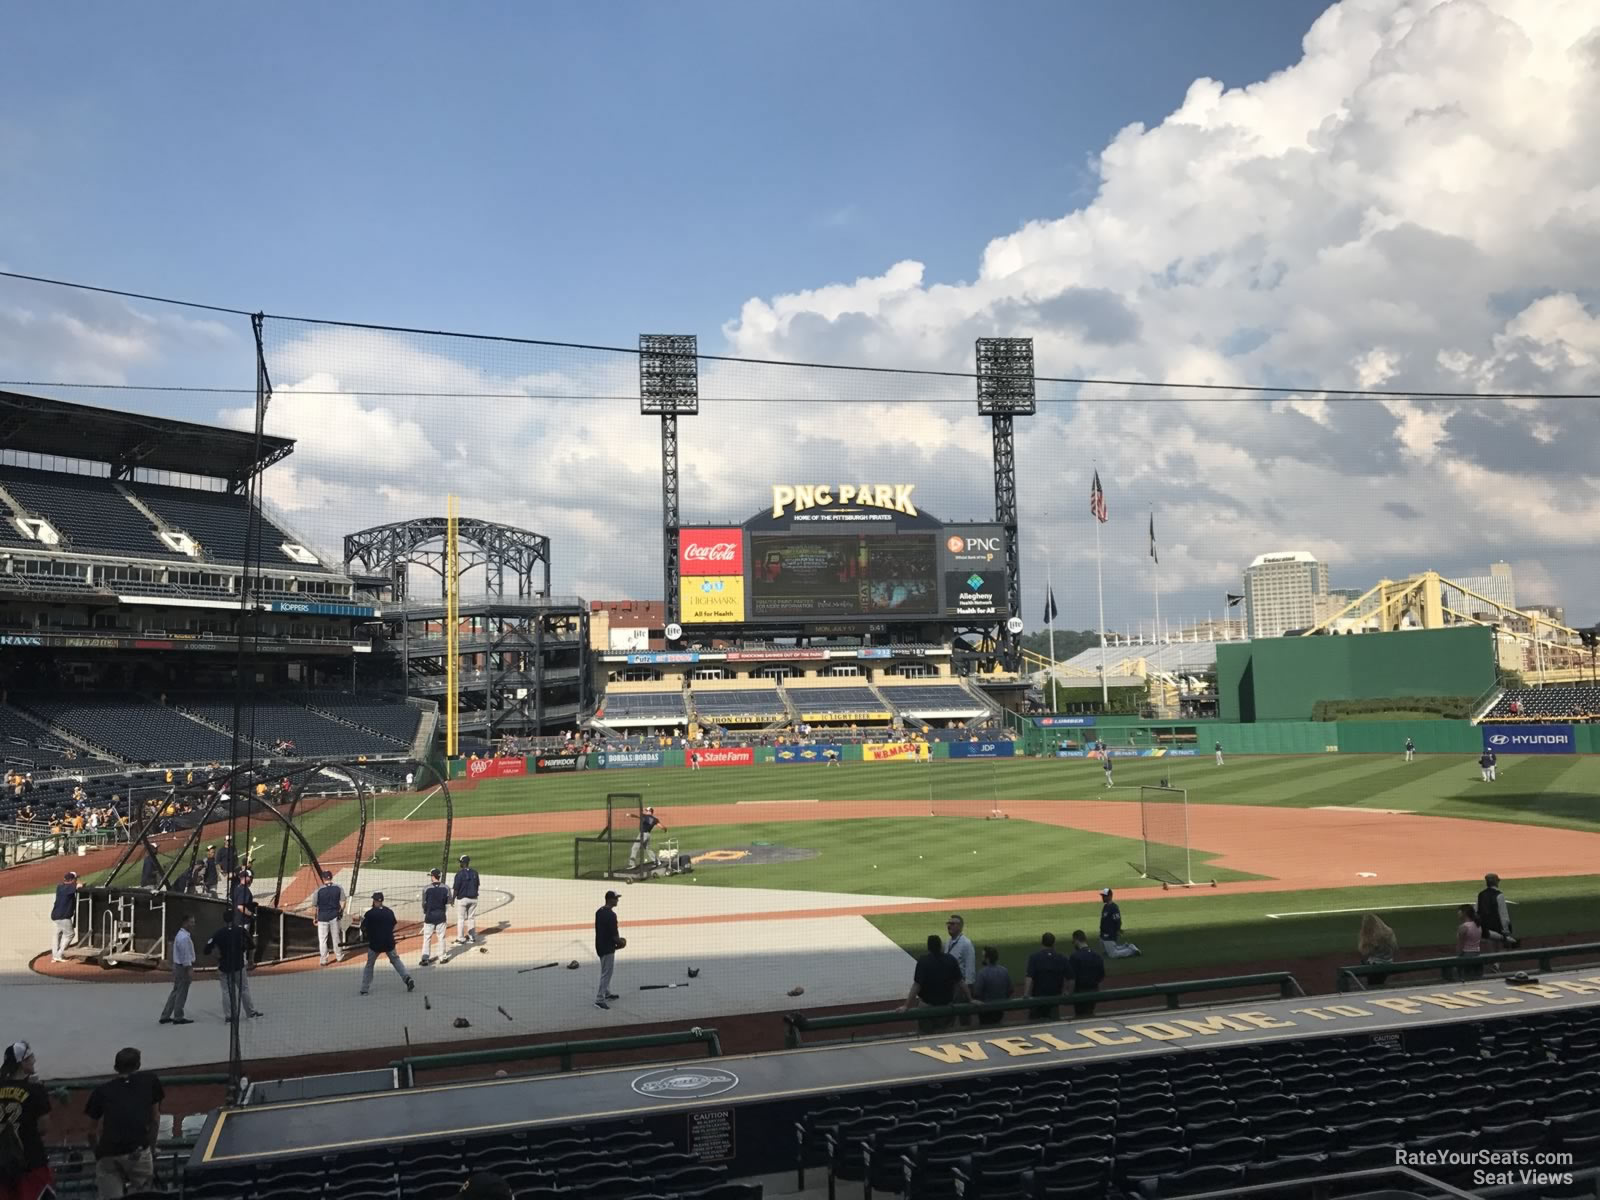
[(1097, 500)]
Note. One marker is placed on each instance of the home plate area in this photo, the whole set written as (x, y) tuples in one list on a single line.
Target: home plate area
[(756, 854)]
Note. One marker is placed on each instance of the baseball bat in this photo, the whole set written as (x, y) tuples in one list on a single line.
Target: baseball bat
[(504, 1013), (540, 967), (659, 987)]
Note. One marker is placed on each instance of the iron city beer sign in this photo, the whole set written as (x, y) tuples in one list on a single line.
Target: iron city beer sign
[(798, 497)]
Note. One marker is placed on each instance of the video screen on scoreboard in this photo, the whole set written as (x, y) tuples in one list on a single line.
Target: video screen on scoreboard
[(883, 575)]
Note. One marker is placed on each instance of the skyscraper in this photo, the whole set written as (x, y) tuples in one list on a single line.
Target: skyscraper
[(1284, 591)]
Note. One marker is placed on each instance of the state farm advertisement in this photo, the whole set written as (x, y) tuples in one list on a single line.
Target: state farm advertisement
[(496, 768), (711, 552), (740, 757)]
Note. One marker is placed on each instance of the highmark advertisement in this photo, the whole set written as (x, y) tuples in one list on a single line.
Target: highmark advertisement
[(895, 752)]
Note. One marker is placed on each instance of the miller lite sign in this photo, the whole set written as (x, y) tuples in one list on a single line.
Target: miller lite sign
[(711, 552)]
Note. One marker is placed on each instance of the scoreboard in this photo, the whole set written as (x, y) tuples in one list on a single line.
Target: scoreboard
[(826, 554)]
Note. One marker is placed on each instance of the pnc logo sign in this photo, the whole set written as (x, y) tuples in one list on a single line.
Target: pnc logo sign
[(711, 552)]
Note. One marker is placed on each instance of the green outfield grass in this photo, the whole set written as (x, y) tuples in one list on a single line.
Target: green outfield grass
[(1561, 790), (907, 856), (1218, 930)]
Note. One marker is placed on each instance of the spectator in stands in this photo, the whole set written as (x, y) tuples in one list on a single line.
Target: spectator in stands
[(1111, 928), (24, 1124), (1377, 945), (936, 983), (1469, 939), (485, 1185), (126, 1113), (231, 944), (330, 903), (377, 926), (435, 900), (182, 973), (1494, 915), (61, 916), (960, 948), (1516, 708), (1088, 970), (994, 983), (1047, 974)]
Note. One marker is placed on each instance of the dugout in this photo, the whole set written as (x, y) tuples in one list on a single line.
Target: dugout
[(1281, 679)]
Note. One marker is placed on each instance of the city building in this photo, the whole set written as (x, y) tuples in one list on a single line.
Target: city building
[(1498, 585), (1284, 591)]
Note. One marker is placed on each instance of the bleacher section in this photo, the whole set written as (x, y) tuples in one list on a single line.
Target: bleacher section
[(933, 700), (1555, 702), (314, 736), (24, 743), (743, 704), (394, 719), (645, 708), (838, 704), (131, 728), (86, 509), (217, 521)]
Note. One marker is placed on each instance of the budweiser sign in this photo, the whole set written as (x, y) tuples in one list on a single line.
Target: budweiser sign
[(711, 552)]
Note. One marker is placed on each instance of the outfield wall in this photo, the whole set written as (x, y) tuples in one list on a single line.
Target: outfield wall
[(1281, 679)]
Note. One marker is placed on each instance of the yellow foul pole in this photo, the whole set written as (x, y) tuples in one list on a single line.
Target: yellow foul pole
[(452, 623)]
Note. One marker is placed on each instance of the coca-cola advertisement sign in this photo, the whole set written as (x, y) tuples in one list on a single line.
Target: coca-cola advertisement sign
[(711, 552), (729, 757)]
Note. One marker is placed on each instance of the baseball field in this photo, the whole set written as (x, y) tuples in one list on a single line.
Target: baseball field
[(1298, 848)]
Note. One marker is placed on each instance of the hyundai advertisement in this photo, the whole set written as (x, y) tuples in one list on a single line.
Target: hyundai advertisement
[(1529, 739)]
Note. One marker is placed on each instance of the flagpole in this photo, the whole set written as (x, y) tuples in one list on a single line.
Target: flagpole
[(1050, 605), (1155, 576), (1100, 591)]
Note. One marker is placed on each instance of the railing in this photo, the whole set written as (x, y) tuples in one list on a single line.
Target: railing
[(564, 1052), (1288, 988), (1354, 978)]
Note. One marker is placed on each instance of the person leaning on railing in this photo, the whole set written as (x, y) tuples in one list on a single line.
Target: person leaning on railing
[(1377, 944)]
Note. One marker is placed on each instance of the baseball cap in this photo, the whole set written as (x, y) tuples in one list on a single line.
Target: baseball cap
[(1105, 891), (72, 874), (649, 810), (613, 896), (433, 874), (378, 896), (466, 858)]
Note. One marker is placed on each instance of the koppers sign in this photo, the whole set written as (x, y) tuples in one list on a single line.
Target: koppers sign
[(1000, 749), (711, 552), (496, 768), (894, 751), (1530, 739), (733, 757)]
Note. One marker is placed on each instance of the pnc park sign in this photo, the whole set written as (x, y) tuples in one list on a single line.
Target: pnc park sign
[(798, 497)]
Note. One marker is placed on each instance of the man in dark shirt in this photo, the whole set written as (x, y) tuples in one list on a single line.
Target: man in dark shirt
[(25, 1114), (377, 926), (464, 891), (330, 918), (606, 944), (231, 945), (435, 900), (1047, 974), (150, 869), (227, 859), (1087, 969), (936, 983), (648, 822), (61, 914), (1494, 915), (125, 1113), (211, 871), (1111, 929)]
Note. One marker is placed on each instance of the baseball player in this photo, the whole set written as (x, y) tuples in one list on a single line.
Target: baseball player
[(330, 918), (648, 823), (464, 890), (435, 899), (607, 941), (1105, 762), (61, 911), (1411, 750), (1218, 748)]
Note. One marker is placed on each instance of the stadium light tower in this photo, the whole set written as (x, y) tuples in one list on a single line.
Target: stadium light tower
[(669, 387), (1006, 390)]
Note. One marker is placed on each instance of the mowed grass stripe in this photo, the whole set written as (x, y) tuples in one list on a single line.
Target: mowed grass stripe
[(910, 856)]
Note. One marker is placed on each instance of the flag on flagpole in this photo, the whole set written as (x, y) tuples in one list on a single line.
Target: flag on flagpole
[(1097, 500), (1234, 601), (1153, 539), (1050, 609)]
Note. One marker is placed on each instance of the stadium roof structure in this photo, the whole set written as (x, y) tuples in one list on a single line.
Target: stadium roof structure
[(126, 441)]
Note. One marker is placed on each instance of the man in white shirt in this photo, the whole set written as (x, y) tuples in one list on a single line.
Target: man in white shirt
[(182, 973), (960, 948)]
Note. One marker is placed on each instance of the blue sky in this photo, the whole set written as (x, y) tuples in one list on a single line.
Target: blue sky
[(572, 171), (1360, 193)]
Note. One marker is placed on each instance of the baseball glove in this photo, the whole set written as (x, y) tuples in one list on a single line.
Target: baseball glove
[(621, 942)]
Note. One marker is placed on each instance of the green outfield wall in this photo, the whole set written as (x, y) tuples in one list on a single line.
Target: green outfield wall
[(1281, 679)]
